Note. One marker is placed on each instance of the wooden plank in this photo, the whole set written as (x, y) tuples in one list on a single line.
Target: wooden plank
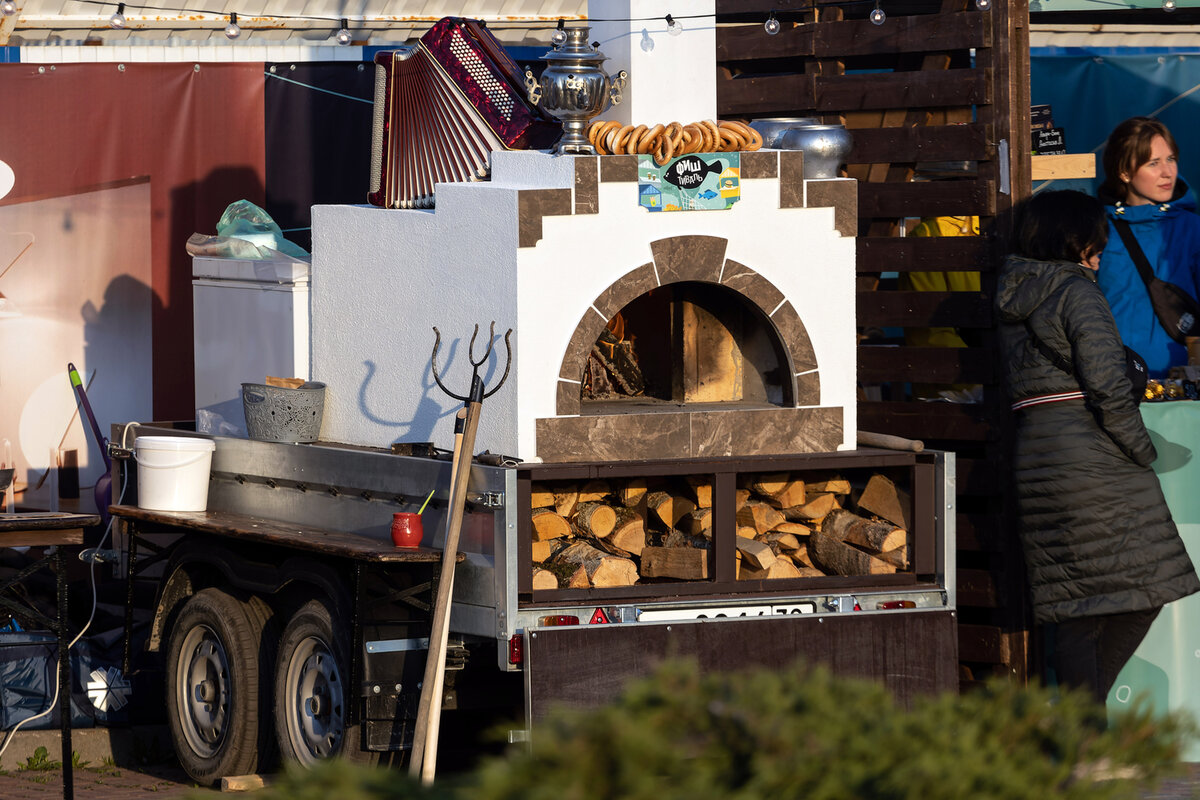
[(919, 89), (925, 364), (931, 199), (926, 421), (1071, 166), (983, 644), (765, 95), (740, 42), (915, 34), (924, 253), (977, 588), (920, 143), (924, 309)]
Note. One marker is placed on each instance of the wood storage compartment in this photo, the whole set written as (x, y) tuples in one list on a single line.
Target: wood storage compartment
[(829, 521)]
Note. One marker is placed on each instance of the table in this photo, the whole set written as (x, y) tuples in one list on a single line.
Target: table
[(1166, 666), (64, 532)]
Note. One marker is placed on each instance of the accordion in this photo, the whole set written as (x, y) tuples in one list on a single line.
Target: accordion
[(441, 107)]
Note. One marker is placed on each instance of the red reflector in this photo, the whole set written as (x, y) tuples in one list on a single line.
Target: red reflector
[(516, 649), (857, 607), (598, 617), (897, 604), (558, 619)]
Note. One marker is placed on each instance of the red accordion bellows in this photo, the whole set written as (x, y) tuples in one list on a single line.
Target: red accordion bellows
[(441, 106)]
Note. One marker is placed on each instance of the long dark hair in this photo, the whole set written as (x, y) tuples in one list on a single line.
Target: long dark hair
[(1127, 149), (1060, 226)]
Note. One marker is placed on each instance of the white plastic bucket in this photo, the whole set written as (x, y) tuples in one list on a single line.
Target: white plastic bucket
[(173, 472)]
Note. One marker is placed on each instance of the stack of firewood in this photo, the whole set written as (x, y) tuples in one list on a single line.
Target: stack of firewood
[(619, 533)]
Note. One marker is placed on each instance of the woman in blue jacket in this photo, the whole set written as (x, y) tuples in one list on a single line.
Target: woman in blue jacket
[(1142, 186)]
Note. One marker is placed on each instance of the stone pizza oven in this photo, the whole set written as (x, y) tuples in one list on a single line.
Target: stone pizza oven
[(742, 320)]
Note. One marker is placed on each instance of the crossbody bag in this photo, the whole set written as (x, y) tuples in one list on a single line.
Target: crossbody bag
[(1177, 311)]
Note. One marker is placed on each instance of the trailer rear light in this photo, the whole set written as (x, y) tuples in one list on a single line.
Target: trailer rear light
[(516, 649), (555, 620), (896, 604), (599, 617)]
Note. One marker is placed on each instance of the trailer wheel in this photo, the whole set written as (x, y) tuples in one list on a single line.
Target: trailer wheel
[(313, 692), (215, 709)]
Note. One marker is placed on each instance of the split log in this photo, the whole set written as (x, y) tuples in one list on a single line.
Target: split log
[(760, 516), (544, 579), (548, 525), (884, 499), (745, 532), (684, 563), (779, 489), (541, 497), (629, 535), (794, 528), (594, 491), (702, 490), (668, 507), (755, 554), (632, 492), (897, 558), (698, 522), (542, 550), (678, 538), (833, 486), (740, 498), (816, 508), (780, 541), (780, 568), (833, 556), (579, 579), (565, 500), (875, 535), (802, 558), (602, 569), (595, 519), (810, 572)]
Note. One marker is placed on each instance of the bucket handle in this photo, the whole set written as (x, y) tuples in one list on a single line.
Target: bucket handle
[(187, 463)]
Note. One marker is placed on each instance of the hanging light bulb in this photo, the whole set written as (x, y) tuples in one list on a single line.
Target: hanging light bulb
[(1169, 5), (877, 16), (983, 5), (8, 7), (343, 35), (232, 30), (673, 26), (117, 20), (771, 26), (559, 37)]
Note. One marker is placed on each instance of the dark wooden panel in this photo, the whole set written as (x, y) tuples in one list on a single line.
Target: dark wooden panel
[(982, 533), (928, 199), (983, 644), (922, 309), (923, 34), (924, 253), (882, 90), (925, 364), (977, 588), (763, 95), (943, 421), (912, 653), (920, 143), (751, 42), (980, 477)]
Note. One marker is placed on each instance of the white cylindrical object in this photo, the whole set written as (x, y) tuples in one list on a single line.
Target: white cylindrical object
[(173, 472), (671, 77)]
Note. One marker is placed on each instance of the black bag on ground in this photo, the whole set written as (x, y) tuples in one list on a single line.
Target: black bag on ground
[(1177, 311)]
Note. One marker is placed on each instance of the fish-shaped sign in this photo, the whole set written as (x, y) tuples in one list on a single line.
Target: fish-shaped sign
[(695, 182), (690, 171)]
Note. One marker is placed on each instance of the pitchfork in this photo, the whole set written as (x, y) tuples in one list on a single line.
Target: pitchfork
[(423, 758)]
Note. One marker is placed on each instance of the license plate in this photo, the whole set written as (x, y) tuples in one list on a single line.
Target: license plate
[(725, 612)]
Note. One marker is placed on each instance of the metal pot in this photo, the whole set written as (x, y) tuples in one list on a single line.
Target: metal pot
[(772, 128), (825, 148)]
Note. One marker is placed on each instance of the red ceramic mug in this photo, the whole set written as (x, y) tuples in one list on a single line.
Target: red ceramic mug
[(406, 529)]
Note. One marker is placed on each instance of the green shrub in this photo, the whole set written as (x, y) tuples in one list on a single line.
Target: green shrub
[(802, 733)]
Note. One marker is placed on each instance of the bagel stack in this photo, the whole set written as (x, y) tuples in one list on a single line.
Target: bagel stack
[(665, 142)]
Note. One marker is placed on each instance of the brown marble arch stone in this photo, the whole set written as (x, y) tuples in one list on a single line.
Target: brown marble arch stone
[(791, 179), (795, 337), (586, 334), (618, 169), (627, 288), (567, 399), (760, 164), (808, 389), (689, 258), (751, 285), (842, 195)]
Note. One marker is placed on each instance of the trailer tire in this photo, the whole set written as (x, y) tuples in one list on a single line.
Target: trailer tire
[(217, 709), (313, 692)]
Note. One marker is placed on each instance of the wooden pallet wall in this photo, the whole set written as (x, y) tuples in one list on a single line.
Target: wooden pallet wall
[(938, 82)]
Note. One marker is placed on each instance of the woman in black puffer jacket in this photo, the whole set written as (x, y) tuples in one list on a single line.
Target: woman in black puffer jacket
[(1102, 551)]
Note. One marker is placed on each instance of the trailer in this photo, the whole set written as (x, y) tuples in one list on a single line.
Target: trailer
[(285, 619)]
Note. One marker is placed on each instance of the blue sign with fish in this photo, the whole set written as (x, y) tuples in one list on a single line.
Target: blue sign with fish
[(695, 182)]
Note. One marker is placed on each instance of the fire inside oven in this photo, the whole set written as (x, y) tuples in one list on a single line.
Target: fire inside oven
[(686, 343)]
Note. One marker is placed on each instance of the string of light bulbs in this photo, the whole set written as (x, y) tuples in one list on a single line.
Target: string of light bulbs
[(772, 25)]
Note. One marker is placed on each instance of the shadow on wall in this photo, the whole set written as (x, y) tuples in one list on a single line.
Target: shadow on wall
[(195, 208)]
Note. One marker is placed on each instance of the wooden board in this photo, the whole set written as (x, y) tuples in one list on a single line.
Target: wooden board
[(929, 254), (928, 199), (926, 364), (921, 143), (922, 309), (1071, 166)]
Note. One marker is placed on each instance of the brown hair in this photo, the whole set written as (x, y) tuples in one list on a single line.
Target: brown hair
[(1127, 149)]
